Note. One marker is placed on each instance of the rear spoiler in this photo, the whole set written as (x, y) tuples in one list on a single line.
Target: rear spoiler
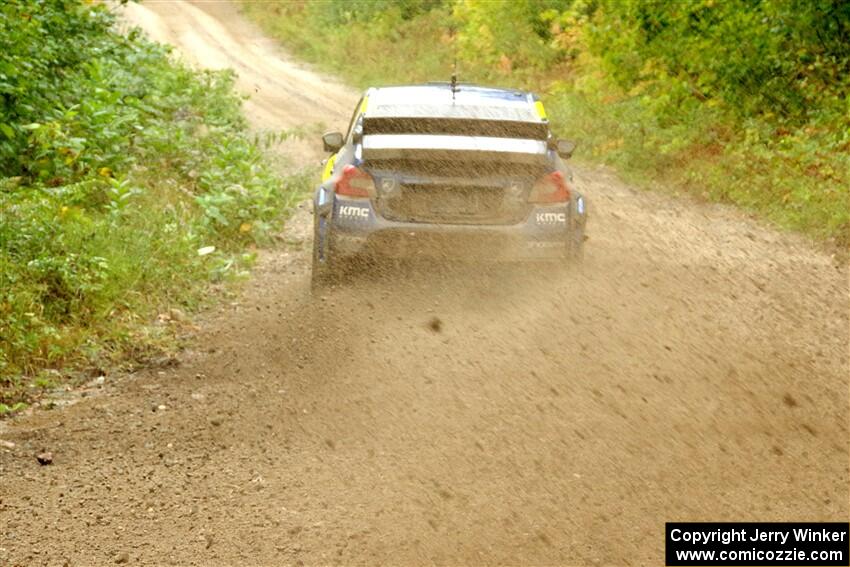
[(417, 146)]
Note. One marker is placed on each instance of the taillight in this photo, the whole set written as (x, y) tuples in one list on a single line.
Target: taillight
[(550, 189), (354, 182)]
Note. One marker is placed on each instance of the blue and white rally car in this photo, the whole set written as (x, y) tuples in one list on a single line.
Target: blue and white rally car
[(446, 170)]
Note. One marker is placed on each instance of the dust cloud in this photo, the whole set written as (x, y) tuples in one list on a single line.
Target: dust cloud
[(451, 412)]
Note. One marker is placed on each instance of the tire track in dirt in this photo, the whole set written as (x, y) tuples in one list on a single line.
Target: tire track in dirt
[(696, 369)]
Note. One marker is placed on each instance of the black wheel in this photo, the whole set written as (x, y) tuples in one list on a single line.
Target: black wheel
[(323, 272), (575, 260), (319, 277), (577, 253)]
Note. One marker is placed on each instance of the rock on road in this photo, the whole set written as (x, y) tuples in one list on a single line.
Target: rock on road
[(696, 369)]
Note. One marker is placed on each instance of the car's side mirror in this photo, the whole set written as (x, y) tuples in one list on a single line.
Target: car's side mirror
[(565, 148), (332, 141)]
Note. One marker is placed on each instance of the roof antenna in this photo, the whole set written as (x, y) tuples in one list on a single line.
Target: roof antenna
[(455, 88), (454, 80)]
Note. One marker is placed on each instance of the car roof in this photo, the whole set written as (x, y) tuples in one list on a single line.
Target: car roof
[(437, 100)]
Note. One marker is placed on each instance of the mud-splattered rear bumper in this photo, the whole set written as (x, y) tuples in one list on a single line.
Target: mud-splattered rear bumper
[(353, 228)]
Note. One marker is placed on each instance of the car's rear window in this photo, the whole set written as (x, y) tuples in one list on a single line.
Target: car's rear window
[(456, 126)]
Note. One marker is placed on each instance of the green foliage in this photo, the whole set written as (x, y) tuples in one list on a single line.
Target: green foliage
[(742, 101), (343, 12), (509, 36), (366, 28), (116, 166), (785, 59), (9, 409)]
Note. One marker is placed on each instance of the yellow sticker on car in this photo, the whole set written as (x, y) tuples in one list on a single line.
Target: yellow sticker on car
[(329, 168), (540, 110), (364, 104)]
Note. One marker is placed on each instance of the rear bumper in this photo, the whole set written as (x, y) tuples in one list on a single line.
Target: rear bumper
[(548, 233)]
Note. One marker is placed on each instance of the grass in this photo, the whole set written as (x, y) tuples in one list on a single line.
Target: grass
[(131, 193)]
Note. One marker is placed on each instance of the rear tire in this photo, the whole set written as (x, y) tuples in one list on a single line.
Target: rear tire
[(576, 261), (320, 279), (577, 254), (323, 273)]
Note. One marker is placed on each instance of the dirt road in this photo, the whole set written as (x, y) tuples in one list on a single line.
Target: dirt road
[(696, 370)]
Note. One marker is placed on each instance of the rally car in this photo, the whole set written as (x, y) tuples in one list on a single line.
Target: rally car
[(446, 170)]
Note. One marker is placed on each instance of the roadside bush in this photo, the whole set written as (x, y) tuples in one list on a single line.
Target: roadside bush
[(116, 166)]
